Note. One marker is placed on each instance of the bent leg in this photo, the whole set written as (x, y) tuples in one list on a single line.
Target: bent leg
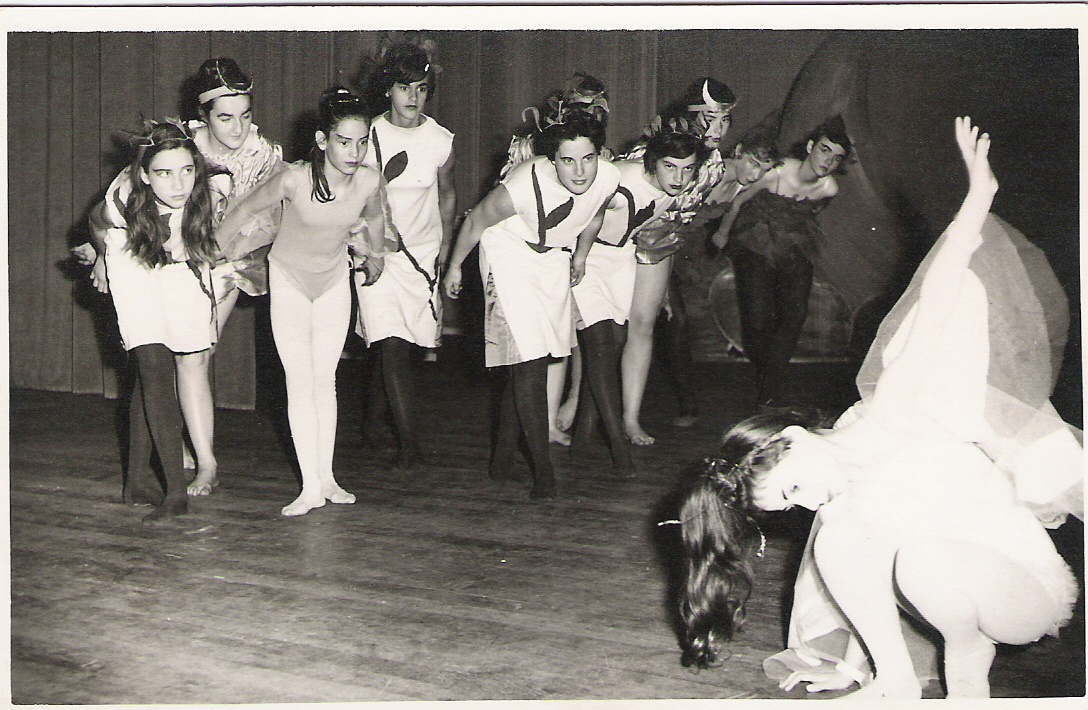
[(602, 353), (973, 596), (651, 282), (857, 567)]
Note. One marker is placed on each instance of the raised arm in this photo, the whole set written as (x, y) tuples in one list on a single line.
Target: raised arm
[(494, 208)]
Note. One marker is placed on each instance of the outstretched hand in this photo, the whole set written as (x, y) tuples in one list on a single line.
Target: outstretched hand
[(975, 149)]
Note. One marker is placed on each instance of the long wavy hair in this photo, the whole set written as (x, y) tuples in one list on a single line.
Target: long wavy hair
[(335, 105), (720, 534), (147, 232)]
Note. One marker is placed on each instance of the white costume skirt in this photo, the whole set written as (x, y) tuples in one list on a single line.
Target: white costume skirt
[(404, 302), (167, 304), (527, 304), (606, 289)]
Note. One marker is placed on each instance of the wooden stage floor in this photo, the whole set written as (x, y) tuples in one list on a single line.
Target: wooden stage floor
[(436, 585)]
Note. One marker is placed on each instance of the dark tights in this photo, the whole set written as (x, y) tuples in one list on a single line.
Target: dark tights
[(154, 410), (602, 345), (393, 382), (773, 303), (678, 343), (524, 408)]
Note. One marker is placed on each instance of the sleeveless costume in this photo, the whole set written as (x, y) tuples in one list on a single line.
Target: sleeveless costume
[(606, 289), (525, 262), (405, 301), (958, 434)]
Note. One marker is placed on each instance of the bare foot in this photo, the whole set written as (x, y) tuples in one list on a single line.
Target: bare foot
[(567, 410), (203, 484), (558, 437), (637, 436), (301, 506)]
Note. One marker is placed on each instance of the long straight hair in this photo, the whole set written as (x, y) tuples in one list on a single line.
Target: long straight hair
[(147, 231)]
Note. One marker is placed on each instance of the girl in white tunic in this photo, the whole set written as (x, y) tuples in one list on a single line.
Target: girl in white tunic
[(925, 490), (404, 306), (526, 229), (153, 233), (603, 297)]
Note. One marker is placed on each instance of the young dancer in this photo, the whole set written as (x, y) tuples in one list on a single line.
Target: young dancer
[(153, 237), (704, 110), (773, 247), (925, 489), (526, 228), (603, 297), (589, 94), (228, 140), (694, 268), (330, 204), (404, 306)]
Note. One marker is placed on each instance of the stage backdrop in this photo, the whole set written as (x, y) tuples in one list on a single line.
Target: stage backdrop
[(70, 94)]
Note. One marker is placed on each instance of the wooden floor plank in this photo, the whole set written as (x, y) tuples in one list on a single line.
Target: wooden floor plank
[(435, 585)]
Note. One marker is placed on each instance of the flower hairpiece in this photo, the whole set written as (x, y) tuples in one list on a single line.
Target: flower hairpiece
[(146, 138)]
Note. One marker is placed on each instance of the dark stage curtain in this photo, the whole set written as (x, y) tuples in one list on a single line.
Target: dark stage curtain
[(71, 94)]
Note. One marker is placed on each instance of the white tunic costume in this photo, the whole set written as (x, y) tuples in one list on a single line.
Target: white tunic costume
[(404, 302), (525, 262), (172, 304), (606, 290)]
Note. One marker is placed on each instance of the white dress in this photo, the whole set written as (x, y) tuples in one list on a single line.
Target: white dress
[(172, 304), (606, 289), (405, 302), (525, 262), (943, 441)]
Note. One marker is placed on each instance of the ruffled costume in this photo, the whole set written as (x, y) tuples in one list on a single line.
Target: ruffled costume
[(966, 419), (254, 162)]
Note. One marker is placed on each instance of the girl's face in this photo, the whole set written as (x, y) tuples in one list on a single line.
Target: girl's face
[(749, 167), (672, 175), (407, 102), (806, 475), (825, 157), (229, 121), (576, 164), (171, 175), (345, 146), (714, 124)]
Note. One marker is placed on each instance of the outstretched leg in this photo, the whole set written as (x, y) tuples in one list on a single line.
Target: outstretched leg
[(651, 282), (531, 402), (602, 348), (399, 387)]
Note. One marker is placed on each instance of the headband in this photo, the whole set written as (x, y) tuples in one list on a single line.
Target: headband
[(211, 94), (709, 104)]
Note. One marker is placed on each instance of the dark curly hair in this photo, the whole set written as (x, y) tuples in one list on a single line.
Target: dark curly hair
[(577, 124)]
